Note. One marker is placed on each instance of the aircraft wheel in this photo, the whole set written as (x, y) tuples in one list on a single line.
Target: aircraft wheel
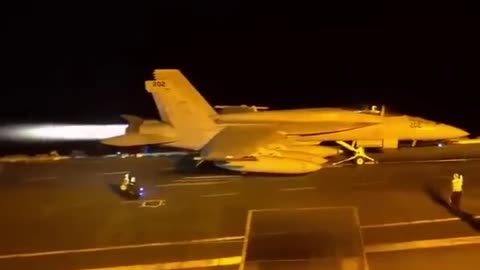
[(359, 161)]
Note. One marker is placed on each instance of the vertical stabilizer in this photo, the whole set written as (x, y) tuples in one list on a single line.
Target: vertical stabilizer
[(179, 103)]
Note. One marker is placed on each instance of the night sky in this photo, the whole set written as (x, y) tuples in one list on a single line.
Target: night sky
[(86, 62)]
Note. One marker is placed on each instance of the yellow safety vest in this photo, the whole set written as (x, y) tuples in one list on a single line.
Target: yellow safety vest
[(457, 184)]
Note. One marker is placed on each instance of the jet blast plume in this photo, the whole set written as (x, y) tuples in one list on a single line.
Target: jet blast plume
[(60, 132)]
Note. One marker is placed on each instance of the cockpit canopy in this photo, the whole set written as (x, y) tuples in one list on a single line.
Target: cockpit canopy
[(374, 109)]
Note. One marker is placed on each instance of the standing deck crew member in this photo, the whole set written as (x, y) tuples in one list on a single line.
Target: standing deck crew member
[(457, 190)]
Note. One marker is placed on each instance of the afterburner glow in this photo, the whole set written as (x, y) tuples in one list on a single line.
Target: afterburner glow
[(61, 132)]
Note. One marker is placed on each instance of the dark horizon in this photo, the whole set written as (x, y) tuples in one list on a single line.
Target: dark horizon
[(87, 64)]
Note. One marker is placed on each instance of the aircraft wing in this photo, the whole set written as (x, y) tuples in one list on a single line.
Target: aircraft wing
[(238, 142), (134, 122)]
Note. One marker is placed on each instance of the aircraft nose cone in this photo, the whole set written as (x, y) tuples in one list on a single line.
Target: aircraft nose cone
[(457, 132), (462, 133)]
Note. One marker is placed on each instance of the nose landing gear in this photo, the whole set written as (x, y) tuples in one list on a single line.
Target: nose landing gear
[(359, 155)]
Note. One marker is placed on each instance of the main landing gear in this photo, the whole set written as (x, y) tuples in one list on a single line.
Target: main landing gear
[(359, 154)]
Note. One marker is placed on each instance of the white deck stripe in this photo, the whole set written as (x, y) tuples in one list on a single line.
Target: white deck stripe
[(234, 260), (160, 244), (40, 178), (414, 222), (206, 183), (113, 173), (237, 260), (298, 188), (219, 195), (211, 176), (422, 244), (371, 248), (179, 265)]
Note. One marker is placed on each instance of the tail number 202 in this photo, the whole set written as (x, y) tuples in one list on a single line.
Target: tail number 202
[(159, 83), (415, 124)]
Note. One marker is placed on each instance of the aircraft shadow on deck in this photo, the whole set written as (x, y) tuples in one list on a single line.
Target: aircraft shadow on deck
[(186, 165), (468, 218)]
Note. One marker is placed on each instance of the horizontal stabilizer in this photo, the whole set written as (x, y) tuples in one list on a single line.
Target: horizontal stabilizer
[(134, 122), (136, 140)]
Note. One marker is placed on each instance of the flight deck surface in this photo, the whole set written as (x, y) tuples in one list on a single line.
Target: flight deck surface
[(64, 215)]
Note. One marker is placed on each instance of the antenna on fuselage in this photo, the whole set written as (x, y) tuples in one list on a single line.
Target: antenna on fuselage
[(382, 111)]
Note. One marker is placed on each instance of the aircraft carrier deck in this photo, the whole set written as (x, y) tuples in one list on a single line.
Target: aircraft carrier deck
[(64, 215)]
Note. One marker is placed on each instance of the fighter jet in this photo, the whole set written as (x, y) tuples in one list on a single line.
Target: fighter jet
[(271, 141)]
